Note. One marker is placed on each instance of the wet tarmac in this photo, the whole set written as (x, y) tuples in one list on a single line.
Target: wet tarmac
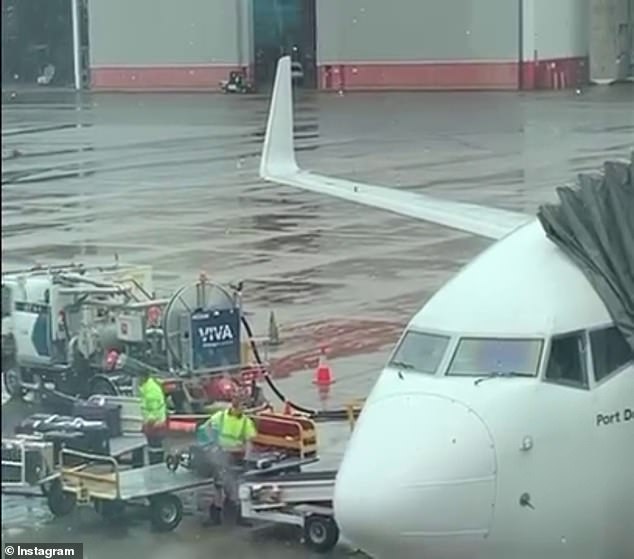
[(171, 180)]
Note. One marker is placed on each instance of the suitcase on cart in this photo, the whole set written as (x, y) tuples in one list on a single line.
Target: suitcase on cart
[(106, 412), (91, 441), (43, 423)]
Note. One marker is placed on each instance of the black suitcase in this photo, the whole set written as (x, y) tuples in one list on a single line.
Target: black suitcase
[(43, 423), (109, 413), (55, 402), (40, 422), (93, 441)]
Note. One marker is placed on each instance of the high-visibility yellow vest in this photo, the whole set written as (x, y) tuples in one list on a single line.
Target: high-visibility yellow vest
[(153, 406), (231, 430)]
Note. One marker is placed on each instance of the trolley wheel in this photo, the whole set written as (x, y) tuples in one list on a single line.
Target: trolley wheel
[(109, 510), (59, 502), (172, 462), (321, 533), (166, 512)]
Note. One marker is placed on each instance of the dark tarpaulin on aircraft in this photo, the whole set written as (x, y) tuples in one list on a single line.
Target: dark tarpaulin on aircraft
[(594, 225)]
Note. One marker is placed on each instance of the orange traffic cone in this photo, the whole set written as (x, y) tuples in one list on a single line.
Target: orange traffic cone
[(323, 373)]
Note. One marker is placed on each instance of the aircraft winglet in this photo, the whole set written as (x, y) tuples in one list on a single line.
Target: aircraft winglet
[(278, 165), (278, 154)]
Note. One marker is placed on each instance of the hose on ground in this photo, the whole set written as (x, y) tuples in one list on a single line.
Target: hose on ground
[(316, 415)]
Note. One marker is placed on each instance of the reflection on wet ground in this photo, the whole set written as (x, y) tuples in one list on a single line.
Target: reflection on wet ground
[(171, 180)]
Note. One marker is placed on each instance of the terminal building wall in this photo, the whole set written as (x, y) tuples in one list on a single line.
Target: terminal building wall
[(457, 44), (471, 44), (555, 43), (361, 44), (165, 44)]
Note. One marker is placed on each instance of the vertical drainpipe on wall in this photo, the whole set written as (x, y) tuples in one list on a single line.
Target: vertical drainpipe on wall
[(239, 33), (74, 8), (520, 65)]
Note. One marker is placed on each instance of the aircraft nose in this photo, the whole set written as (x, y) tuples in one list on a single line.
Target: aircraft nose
[(418, 475)]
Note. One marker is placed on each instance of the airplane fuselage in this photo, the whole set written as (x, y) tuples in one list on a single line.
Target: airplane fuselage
[(447, 469), (446, 466)]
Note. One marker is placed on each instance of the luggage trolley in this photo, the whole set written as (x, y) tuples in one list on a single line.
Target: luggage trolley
[(31, 467), (101, 481)]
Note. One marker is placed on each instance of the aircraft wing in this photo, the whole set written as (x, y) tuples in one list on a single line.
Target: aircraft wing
[(278, 165)]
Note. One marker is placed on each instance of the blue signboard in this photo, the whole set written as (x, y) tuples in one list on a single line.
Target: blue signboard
[(215, 339)]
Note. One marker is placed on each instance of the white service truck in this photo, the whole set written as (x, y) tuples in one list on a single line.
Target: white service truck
[(58, 322), (62, 325)]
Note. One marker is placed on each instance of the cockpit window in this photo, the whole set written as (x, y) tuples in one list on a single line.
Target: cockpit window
[(567, 361), (610, 352), (420, 352), (483, 356)]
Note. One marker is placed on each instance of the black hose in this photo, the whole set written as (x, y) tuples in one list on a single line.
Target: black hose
[(316, 415)]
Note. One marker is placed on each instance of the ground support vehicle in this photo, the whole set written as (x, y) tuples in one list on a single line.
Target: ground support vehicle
[(302, 499), (83, 331), (237, 83)]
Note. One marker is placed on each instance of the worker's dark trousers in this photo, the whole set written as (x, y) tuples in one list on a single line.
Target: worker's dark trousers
[(156, 454)]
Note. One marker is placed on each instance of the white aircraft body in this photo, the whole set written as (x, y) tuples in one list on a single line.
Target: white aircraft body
[(502, 426)]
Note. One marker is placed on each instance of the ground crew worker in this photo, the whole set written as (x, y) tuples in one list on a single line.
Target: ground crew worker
[(154, 414), (233, 431)]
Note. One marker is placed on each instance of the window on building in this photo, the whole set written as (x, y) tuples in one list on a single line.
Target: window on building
[(610, 351), (420, 352), (484, 356), (567, 360)]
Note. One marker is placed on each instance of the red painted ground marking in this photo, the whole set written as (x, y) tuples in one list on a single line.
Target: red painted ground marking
[(341, 337)]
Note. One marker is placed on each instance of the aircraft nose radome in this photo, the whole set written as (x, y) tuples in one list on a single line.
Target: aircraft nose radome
[(419, 471)]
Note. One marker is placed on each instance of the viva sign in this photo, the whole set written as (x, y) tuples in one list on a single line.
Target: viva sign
[(211, 335), (215, 338)]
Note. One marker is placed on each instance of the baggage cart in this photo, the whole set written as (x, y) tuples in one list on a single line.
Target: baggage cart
[(34, 468), (101, 481)]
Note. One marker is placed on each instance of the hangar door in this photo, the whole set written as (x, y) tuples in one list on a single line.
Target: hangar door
[(285, 27), (37, 42)]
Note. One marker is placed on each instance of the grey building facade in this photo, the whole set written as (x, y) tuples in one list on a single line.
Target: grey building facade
[(351, 44)]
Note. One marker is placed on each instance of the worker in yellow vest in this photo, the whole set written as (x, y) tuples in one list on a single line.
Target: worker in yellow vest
[(154, 415), (233, 431)]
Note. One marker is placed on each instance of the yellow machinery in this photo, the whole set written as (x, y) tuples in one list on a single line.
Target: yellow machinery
[(353, 410)]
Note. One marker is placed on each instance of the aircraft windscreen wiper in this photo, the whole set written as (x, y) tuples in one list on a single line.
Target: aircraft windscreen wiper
[(498, 374), (402, 365)]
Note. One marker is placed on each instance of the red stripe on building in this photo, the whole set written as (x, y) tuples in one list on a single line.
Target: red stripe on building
[(540, 74), (558, 73), (163, 78), (546, 74)]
